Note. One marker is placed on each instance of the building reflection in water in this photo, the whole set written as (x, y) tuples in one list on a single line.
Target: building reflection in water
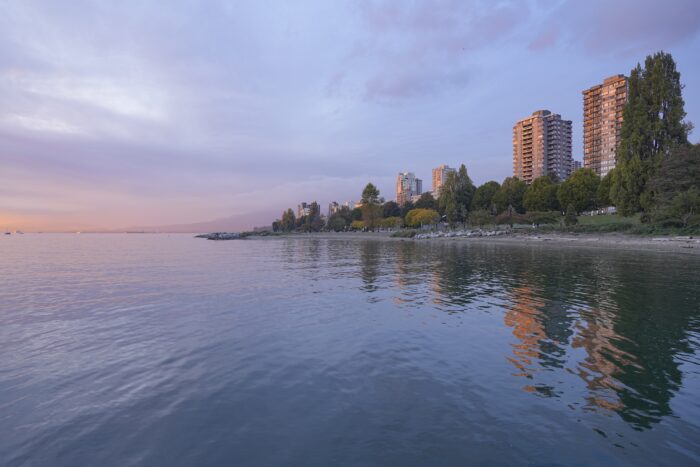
[(604, 333), (630, 340)]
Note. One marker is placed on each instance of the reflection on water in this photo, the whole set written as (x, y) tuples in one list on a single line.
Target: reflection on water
[(173, 350)]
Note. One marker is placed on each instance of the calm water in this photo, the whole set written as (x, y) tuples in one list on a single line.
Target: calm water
[(120, 350)]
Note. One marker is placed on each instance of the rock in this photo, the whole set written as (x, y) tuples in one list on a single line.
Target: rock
[(221, 236)]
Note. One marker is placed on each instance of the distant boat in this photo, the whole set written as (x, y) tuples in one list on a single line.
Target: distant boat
[(19, 232), (8, 233)]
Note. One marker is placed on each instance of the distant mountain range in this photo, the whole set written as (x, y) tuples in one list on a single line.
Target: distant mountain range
[(235, 223)]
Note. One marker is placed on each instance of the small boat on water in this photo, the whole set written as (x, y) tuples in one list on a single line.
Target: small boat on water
[(8, 233)]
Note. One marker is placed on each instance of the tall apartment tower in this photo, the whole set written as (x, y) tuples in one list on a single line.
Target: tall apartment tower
[(542, 146), (407, 185), (439, 177), (603, 106)]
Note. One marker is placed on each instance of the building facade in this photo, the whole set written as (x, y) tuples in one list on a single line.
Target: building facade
[(575, 165), (542, 146), (407, 185), (333, 207), (439, 176), (303, 209), (603, 107)]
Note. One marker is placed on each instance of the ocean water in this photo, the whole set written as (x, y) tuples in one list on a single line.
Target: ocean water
[(120, 350)]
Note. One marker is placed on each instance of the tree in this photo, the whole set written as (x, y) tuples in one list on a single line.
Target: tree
[(685, 204), (653, 125), (541, 195), (339, 220), (570, 217), (357, 225), (483, 196), (426, 201), (579, 190), (371, 210), (419, 217), (480, 218), (394, 222), (356, 214), (312, 222), (288, 221), (391, 209), (406, 208), (456, 195), (542, 217), (603, 192), (678, 172), (510, 193)]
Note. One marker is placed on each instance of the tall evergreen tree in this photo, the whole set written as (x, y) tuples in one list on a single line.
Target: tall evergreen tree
[(653, 125), (371, 209)]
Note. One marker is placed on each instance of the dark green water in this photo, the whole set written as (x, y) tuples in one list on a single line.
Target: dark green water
[(167, 350)]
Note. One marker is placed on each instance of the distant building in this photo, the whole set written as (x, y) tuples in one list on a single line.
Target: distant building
[(333, 207), (542, 146), (575, 165), (407, 185), (439, 177), (603, 107), (303, 209)]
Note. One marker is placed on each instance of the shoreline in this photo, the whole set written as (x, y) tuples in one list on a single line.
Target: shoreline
[(607, 241)]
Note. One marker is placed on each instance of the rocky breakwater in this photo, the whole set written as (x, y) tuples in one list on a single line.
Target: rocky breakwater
[(460, 233), (221, 236)]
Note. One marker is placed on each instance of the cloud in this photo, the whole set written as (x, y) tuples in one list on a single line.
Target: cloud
[(414, 49), (623, 27)]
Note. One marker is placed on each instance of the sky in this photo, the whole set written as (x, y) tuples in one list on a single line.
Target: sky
[(116, 114)]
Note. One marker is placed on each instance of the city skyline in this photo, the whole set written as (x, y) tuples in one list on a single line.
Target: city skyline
[(106, 123)]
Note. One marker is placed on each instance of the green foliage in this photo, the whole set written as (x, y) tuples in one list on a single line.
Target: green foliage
[(570, 217), (543, 217), (391, 209), (370, 195), (394, 222), (685, 204), (371, 210), (510, 193), (603, 192), (288, 221), (679, 173), (456, 195), (511, 217), (356, 214), (406, 208), (419, 217), (483, 196), (579, 190), (426, 201), (653, 126), (480, 218), (340, 220), (541, 195), (311, 222), (357, 225)]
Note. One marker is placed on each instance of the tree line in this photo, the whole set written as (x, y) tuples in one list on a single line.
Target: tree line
[(657, 174)]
